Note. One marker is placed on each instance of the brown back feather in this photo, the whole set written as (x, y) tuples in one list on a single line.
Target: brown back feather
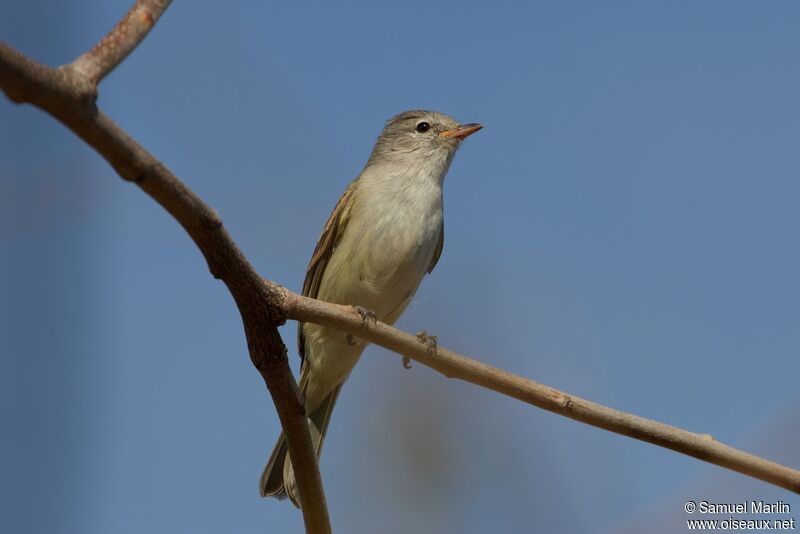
[(331, 235)]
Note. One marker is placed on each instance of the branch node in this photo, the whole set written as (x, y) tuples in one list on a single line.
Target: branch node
[(287, 298), (214, 220), (83, 89), (216, 269)]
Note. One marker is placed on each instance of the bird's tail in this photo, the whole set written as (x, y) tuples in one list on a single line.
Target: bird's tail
[(278, 480)]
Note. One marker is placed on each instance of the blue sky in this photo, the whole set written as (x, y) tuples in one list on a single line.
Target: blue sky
[(624, 228)]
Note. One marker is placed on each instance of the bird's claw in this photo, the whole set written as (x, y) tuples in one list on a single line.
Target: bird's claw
[(366, 316), (429, 340)]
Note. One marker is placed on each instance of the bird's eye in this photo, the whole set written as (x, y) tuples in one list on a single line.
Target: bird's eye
[(423, 127)]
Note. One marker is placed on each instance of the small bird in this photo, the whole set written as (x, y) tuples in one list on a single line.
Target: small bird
[(385, 233)]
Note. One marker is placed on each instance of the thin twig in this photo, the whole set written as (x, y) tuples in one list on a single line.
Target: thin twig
[(454, 365), (112, 49)]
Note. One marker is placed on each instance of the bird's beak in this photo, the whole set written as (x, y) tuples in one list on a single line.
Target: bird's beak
[(463, 131)]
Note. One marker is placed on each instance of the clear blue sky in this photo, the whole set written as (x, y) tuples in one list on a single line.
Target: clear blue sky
[(624, 228)]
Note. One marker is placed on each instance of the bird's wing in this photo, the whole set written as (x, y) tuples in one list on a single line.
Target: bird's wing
[(331, 235), (438, 252)]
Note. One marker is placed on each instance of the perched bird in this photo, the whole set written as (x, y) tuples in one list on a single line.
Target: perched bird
[(384, 235)]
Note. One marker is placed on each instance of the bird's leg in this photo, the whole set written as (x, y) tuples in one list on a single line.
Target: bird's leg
[(429, 340), (366, 317)]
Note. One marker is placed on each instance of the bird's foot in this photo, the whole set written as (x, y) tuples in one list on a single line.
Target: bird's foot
[(430, 341), (366, 316)]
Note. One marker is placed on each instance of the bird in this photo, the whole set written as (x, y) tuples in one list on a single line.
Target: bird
[(384, 235)]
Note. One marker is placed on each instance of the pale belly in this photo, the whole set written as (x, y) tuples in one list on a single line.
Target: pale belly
[(379, 269)]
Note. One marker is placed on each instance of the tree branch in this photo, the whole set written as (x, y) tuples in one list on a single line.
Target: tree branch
[(95, 64), (454, 365), (68, 93)]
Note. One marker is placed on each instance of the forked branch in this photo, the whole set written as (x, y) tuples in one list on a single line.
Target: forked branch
[(68, 93)]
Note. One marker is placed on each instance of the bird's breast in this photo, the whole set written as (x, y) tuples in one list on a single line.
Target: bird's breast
[(401, 237), (387, 248)]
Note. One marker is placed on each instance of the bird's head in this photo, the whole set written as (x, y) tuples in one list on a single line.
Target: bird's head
[(420, 137)]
